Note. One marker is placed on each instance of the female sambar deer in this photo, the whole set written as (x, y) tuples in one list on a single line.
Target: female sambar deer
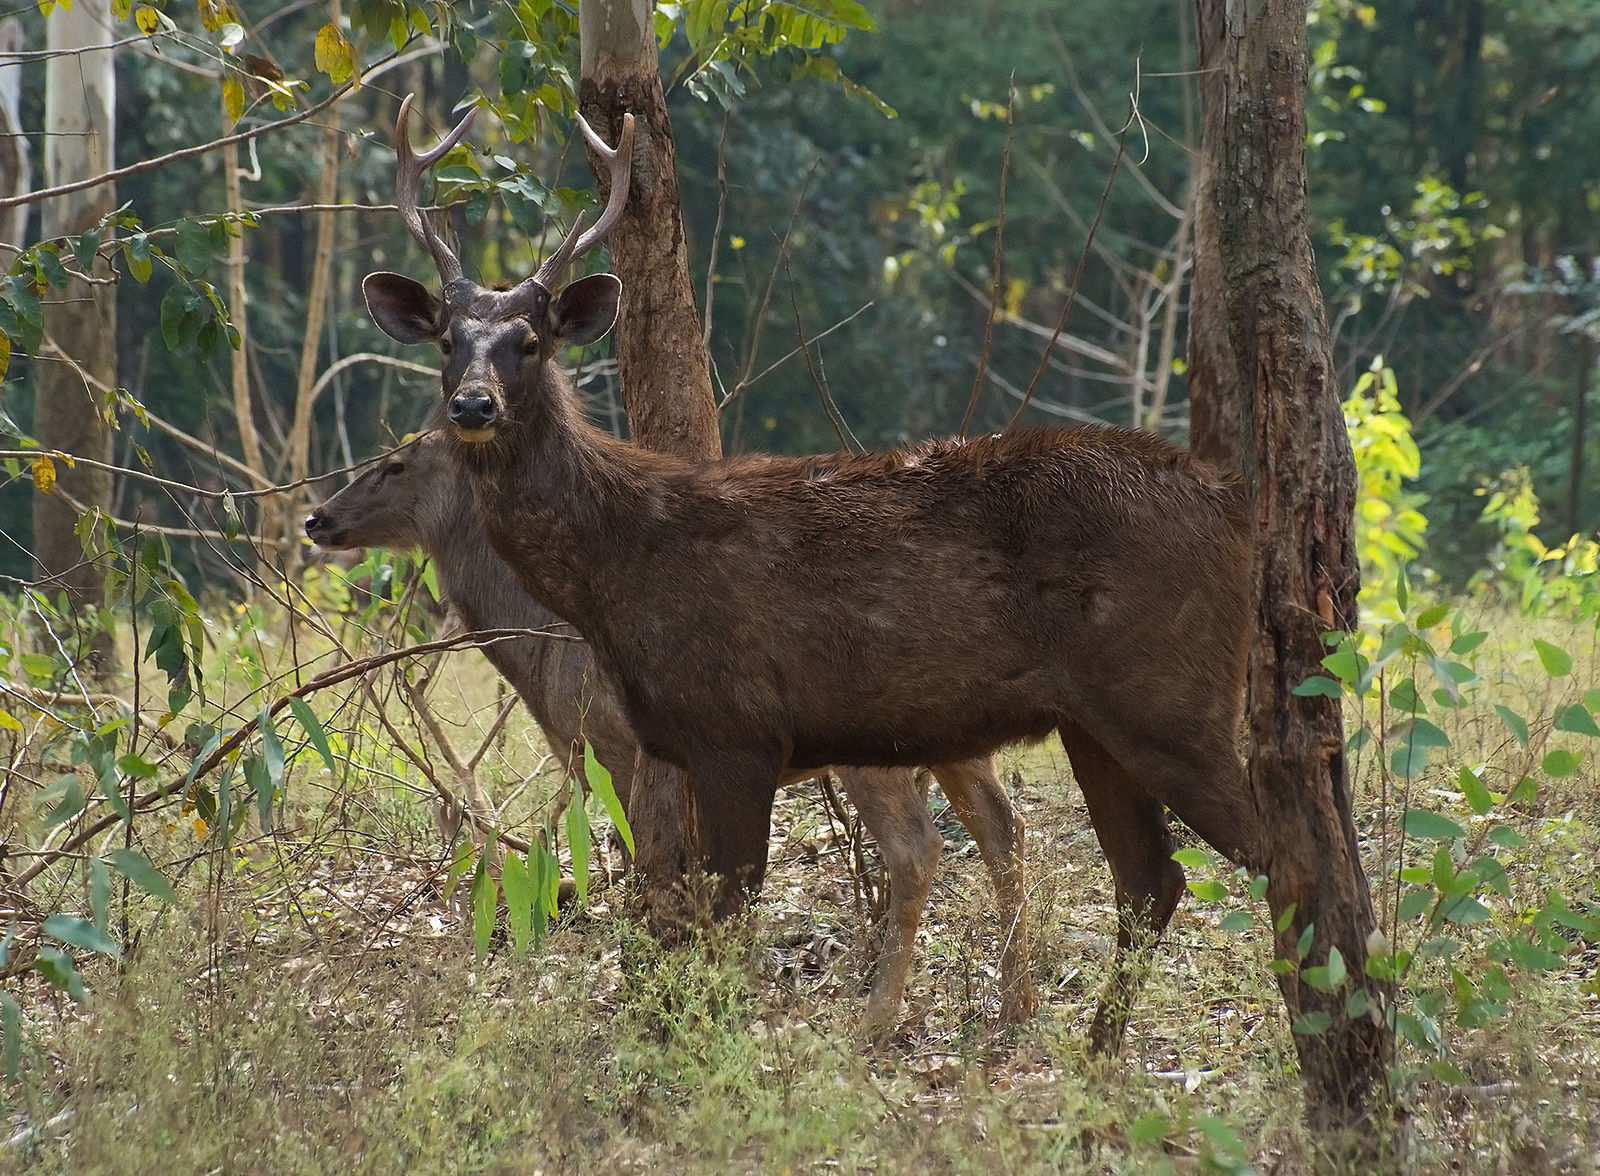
[(923, 605), (415, 498)]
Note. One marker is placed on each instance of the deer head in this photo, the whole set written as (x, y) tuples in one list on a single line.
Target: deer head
[(495, 344)]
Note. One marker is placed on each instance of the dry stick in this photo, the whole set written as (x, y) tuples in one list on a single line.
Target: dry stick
[(716, 230), (216, 495), (766, 296), (794, 351), (997, 266), (1077, 273), (847, 439), (341, 673), (239, 357)]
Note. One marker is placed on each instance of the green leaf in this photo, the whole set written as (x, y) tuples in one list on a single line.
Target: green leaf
[(1151, 1127), (133, 865), (1336, 967), (1424, 823), (1357, 1003), (313, 728), (1411, 754), (459, 865), (1577, 720), (599, 780), (1312, 1023), (1415, 903), (518, 887), (99, 893), (136, 254), (1258, 887), (1318, 686), (1235, 921), (1208, 889), (1557, 662), (1532, 957), (1430, 617), (55, 966), (11, 1035), (1191, 857), (80, 932), (578, 843), (1303, 948), (1477, 795), (1467, 642), (1514, 721), (484, 907), (1561, 762)]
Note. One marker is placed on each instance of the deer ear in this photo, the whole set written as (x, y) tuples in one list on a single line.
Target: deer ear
[(583, 312), (403, 308)]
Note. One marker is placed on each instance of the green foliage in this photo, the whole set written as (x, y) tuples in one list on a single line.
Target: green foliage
[(1523, 571), (1390, 525)]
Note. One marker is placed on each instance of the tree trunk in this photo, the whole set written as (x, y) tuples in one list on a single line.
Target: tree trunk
[(1264, 401), (662, 362), (76, 375)]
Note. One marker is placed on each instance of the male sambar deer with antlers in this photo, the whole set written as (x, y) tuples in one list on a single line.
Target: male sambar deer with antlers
[(922, 605), (415, 498)]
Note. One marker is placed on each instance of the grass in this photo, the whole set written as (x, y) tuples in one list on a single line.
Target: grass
[(312, 1003)]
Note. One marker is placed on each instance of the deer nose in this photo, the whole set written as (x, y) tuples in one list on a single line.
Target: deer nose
[(316, 524), (472, 412)]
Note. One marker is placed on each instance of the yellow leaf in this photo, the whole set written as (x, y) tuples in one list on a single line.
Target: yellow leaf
[(200, 828), (5, 354), (44, 474), (9, 722), (210, 18), (232, 98), (333, 54), (147, 18)]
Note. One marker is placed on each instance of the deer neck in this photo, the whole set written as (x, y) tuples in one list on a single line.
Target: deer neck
[(550, 491)]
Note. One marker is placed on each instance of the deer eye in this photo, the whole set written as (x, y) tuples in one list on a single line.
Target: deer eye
[(393, 468), (445, 345), (530, 343)]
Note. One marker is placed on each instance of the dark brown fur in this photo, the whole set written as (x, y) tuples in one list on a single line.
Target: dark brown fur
[(416, 499)]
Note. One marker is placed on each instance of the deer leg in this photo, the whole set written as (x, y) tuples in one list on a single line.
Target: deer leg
[(982, 804), (733, 795), (894, 811), (1133, 833)]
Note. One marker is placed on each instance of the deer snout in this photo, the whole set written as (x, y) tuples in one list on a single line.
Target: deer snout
[(319, 528), (472, 414)]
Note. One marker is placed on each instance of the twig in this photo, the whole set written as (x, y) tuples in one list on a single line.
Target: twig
[(716, 230), (159, 161), (847, 439), (1083, 257), (745, 385)]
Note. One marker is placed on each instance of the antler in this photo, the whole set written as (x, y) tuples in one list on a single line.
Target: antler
[(617, 163), (408, 170)]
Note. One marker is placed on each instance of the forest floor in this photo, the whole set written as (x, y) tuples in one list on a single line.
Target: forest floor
[(313, 1003)]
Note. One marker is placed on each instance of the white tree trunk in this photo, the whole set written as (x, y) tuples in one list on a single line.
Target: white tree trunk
[(16, 154), (77, 369)]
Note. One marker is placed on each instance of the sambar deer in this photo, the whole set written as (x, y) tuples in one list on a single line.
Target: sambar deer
[(416, 498), (922, 605)]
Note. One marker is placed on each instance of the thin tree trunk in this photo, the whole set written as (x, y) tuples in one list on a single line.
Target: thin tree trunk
[(16, 156), (299, 455), (70, 413), (1264, 401), (239, 357), (662, 361), (1580, 426)]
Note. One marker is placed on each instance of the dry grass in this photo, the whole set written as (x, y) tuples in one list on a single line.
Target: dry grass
[(312, 1004)]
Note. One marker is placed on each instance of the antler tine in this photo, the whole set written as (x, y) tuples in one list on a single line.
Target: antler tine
[(618, 162), (408, 171)]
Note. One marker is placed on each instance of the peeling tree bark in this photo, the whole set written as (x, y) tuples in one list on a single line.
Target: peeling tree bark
[(77, 369), (662, 360), (1264, 401)]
